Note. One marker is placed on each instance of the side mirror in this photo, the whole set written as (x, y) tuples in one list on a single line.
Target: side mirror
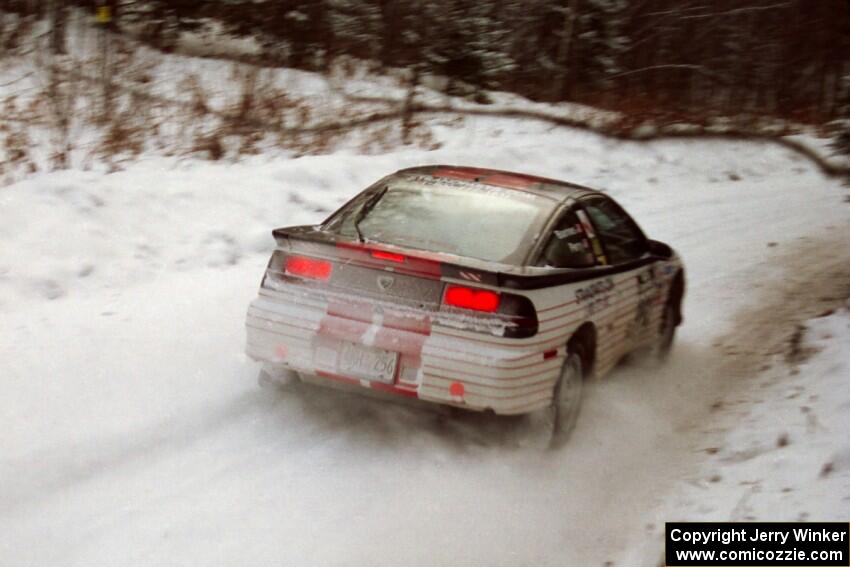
[(659, 249)]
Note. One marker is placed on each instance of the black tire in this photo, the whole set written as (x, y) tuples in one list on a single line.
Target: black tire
[(552, 425), (264, 379), (275, 380), (666, 332), (567, 397)]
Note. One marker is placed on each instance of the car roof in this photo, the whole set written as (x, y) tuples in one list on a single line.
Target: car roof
[(541, 186)]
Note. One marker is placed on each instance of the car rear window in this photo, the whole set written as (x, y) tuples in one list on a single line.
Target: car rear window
[(447, 215)]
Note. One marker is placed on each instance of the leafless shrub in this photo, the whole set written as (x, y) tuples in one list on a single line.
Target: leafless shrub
[(380, 138), (16, 144), (262, 104), (123, 139), (264, 111), (13, 28), (248, 144), (246, 105), (340, 70), (71, 100), (60, 100), (15, 147), (209, 144), (198, 98)]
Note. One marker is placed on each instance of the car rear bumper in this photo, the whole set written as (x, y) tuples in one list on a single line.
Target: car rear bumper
[(436, 364)]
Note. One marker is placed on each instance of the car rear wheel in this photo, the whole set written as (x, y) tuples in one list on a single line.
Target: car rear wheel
[(552, 425), (667, 332), (269, 378), (567, 398)]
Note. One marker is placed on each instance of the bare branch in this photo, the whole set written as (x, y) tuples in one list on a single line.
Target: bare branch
[(13, 81), (696, 68), (736, 11)]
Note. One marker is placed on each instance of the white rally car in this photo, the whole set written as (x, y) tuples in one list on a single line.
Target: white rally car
[(476, 288)]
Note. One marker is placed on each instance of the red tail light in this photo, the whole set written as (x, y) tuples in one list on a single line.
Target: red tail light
[(469, 298), (391, 256), (308, 267)]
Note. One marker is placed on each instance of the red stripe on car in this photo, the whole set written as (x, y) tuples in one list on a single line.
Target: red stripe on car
[(510, 181)]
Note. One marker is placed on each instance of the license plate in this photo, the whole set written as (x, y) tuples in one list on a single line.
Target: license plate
[(367, 363)]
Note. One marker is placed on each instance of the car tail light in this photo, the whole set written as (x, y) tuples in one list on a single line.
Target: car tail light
[(308, 267), (470, 298), (517, 311), (390, 256)]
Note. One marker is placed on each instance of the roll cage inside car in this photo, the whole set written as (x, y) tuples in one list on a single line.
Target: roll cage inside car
[(618, 238)]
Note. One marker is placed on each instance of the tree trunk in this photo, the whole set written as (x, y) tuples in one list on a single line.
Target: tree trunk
[(57, 26), (563, 55), (407, 123)]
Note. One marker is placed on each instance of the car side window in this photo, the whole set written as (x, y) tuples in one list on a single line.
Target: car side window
[(622, 239), (568, 245)]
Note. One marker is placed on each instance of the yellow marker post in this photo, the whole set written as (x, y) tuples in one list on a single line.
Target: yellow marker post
[(103, 15)]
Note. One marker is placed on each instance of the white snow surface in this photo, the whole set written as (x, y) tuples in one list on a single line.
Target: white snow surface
[(132, 430), (790, 452), (787, 457)]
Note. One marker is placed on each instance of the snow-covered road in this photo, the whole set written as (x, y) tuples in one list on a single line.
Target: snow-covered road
[(132, 430)]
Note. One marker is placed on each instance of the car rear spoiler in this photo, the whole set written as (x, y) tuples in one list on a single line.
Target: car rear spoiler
[(473, 270)]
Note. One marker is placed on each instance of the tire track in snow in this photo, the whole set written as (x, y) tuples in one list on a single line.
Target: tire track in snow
[(56, 469)]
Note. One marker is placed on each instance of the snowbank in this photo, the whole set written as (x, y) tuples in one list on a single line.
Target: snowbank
[(778, 450)]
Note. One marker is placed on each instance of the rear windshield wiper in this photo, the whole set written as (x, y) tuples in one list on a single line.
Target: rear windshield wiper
[(364, 210)]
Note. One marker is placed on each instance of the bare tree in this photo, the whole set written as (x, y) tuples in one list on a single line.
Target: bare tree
[(561, 59), (57, 14)]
